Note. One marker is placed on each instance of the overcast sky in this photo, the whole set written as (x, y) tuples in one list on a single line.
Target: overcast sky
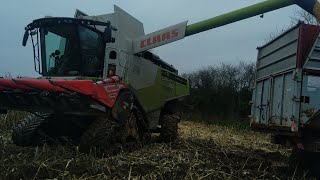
[(231, 43)]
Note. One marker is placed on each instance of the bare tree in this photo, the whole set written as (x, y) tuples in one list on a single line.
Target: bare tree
[(7, 75), (300, 15), (221, 91), (303, 16)]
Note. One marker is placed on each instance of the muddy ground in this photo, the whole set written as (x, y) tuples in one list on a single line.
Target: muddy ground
[(202, 152)]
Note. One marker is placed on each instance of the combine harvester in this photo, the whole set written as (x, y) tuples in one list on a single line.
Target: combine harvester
[(101, 87)]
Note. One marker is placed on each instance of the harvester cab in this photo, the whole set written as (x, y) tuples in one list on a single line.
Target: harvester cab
[(68, 46), (100, 84)]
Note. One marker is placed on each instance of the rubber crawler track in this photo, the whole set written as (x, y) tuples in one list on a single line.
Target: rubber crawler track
[(26, 132)]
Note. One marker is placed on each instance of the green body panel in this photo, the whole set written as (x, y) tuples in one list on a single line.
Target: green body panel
[(237, 15), (164, 89), (182, 90)]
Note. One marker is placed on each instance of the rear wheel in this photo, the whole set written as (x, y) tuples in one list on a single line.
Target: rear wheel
[(169, 128)]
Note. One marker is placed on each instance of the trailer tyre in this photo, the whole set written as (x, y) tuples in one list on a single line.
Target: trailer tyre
[(310, 162), (169, 128), (304, 163), (27, 132)]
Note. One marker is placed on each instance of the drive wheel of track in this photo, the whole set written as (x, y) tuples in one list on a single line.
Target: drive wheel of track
[(107, 136), (101, 134), (169, 128), (28, 131)]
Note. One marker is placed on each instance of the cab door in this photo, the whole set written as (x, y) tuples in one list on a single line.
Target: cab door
[(92, 52)]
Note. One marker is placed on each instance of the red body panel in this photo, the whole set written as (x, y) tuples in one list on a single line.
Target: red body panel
[(42, 84), (99, 92), (105, 93), (307, 36)]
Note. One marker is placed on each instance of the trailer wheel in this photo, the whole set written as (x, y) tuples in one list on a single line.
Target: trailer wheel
[(305, 163), (310, 162), (169, 128), (28, 131)]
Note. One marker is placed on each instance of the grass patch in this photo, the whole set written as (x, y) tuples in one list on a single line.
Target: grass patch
[(242, 124), (238, 124), (7, 121)]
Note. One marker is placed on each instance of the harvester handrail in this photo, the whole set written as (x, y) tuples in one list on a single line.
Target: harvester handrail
[(66, 20)]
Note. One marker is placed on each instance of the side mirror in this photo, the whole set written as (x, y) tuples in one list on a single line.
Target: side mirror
[(107, 35), (25, 38)]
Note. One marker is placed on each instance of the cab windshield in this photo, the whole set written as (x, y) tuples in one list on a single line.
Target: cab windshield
[(71, 50)]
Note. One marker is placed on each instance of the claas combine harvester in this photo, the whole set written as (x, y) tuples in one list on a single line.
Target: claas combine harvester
[(100, 84)]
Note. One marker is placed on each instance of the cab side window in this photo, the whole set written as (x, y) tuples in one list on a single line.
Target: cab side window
[(92, 52)]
